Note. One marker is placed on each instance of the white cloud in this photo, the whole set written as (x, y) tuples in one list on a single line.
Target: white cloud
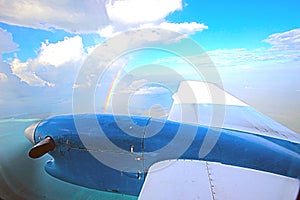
[(232, 57), (74, 16), (107, 17), (136, 14), (23, 71), (62, 52), (6, 42), (141, 11), (285, 47), (23, 100), (285, 41), (108, 31), (150, 90), (67, 54), (3, 77), (184, 28)]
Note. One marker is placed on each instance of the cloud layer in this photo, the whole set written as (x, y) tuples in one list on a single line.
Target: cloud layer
[(72, 16), (284, 47), (106, 17), (289, 40)]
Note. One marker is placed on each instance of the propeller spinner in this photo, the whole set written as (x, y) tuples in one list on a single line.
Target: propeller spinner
[(41, 148)]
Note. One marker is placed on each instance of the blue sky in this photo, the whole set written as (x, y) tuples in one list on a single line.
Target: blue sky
[(255, 45), (239, 24)]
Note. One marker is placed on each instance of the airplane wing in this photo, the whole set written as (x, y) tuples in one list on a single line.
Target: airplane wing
[(191, 179), (203, 103)]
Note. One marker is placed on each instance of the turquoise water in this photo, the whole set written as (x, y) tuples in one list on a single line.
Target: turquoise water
[(25, 178)]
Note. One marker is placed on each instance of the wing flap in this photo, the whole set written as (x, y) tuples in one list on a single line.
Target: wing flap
[(191, 179)]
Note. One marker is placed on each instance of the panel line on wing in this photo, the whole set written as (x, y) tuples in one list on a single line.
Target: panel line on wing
[(213, 193)]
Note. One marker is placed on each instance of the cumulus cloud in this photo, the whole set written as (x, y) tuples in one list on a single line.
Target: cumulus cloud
[(6, 42), (25, 73), (137, 14), (140, 11), (22, 100), (73, 16), (108, 31), (62, 52), (68, 53)]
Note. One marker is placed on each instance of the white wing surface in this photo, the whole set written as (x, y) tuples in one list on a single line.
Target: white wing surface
[(191, 179)]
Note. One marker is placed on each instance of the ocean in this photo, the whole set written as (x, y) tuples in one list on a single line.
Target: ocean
[(25, 178)]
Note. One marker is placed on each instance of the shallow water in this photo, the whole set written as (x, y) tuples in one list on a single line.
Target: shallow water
[(25, 178)]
